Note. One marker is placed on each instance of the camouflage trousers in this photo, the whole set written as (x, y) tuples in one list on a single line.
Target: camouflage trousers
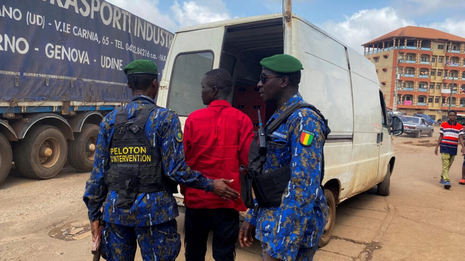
[(304, 254), (157, 242)]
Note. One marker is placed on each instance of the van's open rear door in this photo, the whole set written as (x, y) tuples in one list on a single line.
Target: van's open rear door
[(192, 54)]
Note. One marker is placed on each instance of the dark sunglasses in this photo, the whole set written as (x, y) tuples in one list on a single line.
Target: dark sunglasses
[(264, 77)]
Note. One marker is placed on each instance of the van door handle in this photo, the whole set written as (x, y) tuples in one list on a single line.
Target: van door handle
[(379, 138)]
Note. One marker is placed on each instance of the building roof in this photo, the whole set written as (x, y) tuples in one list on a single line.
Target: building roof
[(417, 32)]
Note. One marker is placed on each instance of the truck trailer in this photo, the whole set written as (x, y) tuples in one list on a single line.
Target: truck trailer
[(61, 72)]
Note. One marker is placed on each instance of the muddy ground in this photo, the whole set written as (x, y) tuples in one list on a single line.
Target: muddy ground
[(420, 220)]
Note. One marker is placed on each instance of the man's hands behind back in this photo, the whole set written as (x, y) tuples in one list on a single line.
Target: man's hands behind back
[(221, 189)]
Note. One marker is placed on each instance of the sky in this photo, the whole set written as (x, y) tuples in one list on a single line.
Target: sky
[(354, 22)]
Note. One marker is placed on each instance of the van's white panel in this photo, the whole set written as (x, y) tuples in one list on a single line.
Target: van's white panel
[(362, 66), (367, 125), (365, 69), (325, 79)]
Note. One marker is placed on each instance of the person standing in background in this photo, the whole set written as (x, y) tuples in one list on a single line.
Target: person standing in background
[(450, 135)]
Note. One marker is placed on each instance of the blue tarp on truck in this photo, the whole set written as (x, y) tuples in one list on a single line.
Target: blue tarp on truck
[(61, 72), (72, 50)]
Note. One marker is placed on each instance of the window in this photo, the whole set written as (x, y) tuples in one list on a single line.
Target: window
[(423, 59), (431, 86), (384, 69), (421, 99), (433, 73), (188, 70), (430, 100), (443, 100), (438, 86), (440, 47), (384, 118), (454, 47), (440, 60), (433, 60), (385, 56), (436, 100), (439, 73), (376, 59)]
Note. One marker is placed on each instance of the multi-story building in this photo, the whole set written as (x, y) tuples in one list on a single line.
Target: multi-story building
[(420, 70)]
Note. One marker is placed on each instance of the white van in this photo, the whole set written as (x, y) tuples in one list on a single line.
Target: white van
[(337, 80)]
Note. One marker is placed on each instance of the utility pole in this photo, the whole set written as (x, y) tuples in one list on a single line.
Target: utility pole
[(394, 104), (451, 88), (287, 19)]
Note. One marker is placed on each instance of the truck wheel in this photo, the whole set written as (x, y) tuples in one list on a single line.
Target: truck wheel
[(81, 150), (6, 157), (330, 219), (383, 187), (418, 134), (430, 134), (42, 154)]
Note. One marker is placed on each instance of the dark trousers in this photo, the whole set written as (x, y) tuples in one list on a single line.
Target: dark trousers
[(223, 222)]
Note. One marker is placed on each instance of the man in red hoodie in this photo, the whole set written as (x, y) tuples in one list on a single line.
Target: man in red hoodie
[(216, 141)]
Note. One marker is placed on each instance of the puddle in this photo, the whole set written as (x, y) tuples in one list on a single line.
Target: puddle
[(70, 231)]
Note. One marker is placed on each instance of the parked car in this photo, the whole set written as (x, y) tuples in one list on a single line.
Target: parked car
[(428, 118), (417, 126)]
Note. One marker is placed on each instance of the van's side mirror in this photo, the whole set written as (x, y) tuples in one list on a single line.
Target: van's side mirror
[(397, 126)]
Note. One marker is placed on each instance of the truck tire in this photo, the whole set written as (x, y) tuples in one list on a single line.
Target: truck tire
[(42, 154), (383, 187), (81, 150), (430, 134), (6, 158), (330, 219)]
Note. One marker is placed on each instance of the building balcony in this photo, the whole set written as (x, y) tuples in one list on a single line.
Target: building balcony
[(422, 89), (450, 78), (421, 103), (408, 75), (452, 64), (410, 61), (406, 89), (423, 62), (411, 47), (448, 91), (426, 48), (453, 51), (423, 76)]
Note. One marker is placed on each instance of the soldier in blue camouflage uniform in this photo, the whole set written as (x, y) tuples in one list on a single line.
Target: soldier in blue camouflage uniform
[(150, 219), (292, 230)]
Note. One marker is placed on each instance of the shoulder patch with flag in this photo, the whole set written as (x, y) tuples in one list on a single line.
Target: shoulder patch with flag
[(306, 138)]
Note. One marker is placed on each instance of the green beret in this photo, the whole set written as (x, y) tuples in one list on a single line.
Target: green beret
[(281, 63), (141, 66)]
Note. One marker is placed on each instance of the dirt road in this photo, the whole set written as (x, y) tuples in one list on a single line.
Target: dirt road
[(420, 220)]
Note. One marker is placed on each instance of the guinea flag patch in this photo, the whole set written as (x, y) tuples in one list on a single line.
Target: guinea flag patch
[(306, 138)]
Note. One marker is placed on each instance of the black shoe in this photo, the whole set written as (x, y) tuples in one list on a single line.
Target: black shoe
[(447, 185)]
